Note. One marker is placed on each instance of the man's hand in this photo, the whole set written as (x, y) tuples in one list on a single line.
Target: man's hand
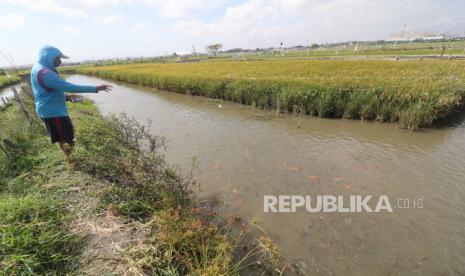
[(104, 87), (74, 98)]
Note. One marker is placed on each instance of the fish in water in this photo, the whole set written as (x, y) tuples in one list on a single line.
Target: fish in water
[(313, 178), (215, 165), (369, 167)]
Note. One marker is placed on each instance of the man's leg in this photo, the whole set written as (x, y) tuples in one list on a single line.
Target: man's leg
[(66, 151), (64, 134)]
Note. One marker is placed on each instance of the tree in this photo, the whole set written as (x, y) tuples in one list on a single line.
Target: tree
[(214, 49), (315, 46)]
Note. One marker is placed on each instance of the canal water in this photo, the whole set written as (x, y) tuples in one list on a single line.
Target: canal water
[(244, 153), (7, 92)]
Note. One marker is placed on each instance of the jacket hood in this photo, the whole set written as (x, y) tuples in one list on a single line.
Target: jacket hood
[(47, 55)]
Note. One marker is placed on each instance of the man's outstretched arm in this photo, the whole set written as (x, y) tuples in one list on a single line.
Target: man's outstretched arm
[(53, 81)]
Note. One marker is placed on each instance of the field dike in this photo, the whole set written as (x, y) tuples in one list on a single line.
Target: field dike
[(117, 208), (8, 80), (413, 93)]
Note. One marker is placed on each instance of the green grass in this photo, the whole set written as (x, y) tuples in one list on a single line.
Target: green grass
[(34, 238), (413, 93), (44, 203), (8, 80)]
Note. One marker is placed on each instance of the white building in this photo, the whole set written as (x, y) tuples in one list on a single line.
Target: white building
[(404, 36)]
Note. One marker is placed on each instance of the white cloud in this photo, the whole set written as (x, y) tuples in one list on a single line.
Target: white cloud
[(109, 19), (99, 3), (240, 19), (67, 8), (184, 8), (297, 6), (234, 23), (260, 23), (70, 30), (139, 27), (11, 20)]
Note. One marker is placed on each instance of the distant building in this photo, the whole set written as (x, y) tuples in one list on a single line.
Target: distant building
[(404, 36), (460, 36)]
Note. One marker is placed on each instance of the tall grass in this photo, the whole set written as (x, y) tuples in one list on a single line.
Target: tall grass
[(34, 236), (414, 93)]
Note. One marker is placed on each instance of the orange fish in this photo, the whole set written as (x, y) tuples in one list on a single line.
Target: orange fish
[(215, 165), (240, 202), (369, 167), (313, 178)]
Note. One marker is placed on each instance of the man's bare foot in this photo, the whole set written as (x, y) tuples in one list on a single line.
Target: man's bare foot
[(71, 163)]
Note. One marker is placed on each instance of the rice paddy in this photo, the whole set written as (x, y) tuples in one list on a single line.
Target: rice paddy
[(412, 93)]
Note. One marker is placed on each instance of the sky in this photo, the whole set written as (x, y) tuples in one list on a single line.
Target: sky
[(96, 29)]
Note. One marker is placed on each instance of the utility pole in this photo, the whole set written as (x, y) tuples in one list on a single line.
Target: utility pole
[(308, 47)]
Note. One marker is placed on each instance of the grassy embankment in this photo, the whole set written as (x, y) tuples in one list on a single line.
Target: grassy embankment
[(8, 80), (119, 210), (413, 93)]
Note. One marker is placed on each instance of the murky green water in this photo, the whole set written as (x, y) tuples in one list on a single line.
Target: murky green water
[(6, 92), (245, 153)]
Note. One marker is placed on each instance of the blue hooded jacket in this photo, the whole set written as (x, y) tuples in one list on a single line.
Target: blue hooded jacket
[(49, 89)]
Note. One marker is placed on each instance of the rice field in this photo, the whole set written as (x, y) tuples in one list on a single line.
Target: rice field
[(354, 50), (413, 93)]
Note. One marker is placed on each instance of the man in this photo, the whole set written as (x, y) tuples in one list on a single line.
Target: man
[(50, 100)]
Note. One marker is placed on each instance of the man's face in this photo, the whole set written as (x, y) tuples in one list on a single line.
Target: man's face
[(57, 62)]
